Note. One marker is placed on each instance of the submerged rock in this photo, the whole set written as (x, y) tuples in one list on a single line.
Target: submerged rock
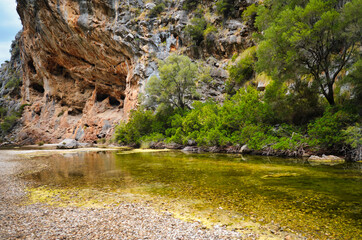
[(325, 159), (190, 149), (68, 144)]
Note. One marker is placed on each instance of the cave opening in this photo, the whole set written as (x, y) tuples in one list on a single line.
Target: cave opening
[(114, 102), (75, 111), (101, 96), (37, 87), (31, 66), (58, 70)]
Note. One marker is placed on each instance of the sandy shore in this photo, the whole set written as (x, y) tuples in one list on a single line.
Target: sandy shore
[(19, 220)]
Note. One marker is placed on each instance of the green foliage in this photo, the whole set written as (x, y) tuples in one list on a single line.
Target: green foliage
[(245, 107), (250, 12), (196, 29), (225, 7), (190, 4), (294, 105), (14, 82), (8, 123), (242, 71), (354, 84), (353, 136), (3, 112), (140, 124), (159, 8), (294, 42), (176, 85), (209, 29), (327, 130)]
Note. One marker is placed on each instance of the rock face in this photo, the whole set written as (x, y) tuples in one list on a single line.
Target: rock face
[(10, 85), (85, 61)]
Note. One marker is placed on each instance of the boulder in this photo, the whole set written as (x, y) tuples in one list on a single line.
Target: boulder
[(245, 149), (325, 159), (191, 149), (68, 144)]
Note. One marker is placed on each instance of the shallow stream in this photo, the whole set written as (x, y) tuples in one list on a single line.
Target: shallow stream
[(238, 192)]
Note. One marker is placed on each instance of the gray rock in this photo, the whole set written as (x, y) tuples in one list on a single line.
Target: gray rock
[(244, 149), (190, 149), (150, 5), (234, 24), (181, 17), (68, 144)]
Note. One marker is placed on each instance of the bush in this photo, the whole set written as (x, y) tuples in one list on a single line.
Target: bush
[(159, 8), (190, 4), (8, 123), (139, 125), (246, 106), (250, 13), (225, 7), (353, 138), (196, 29), (242, 71), (327, 130)]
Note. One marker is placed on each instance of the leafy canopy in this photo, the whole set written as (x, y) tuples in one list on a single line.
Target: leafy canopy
[(176, 84), (318, 42)]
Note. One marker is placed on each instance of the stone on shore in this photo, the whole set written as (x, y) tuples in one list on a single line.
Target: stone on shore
[(326, 159), (68, 144)]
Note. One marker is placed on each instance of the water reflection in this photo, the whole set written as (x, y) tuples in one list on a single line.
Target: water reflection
[(314, 200)]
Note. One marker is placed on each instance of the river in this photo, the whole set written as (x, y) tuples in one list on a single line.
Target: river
[(234, 191)]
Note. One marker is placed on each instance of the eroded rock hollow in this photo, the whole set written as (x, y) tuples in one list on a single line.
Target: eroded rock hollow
[(85, 61), (78, 73)]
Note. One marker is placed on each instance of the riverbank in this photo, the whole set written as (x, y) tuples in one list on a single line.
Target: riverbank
[(22, 219)]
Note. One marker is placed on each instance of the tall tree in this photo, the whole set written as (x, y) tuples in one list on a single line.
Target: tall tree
[(318, 41), (176, 84)]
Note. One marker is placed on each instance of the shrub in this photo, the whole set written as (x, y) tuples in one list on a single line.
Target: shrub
[(246, 106), (250, 13), (3, 112), (353, 138), (224, 7), (327, 130), (190, 4), (8, 123), (242, 71), (196, 29), (159, 8), (139, 125)]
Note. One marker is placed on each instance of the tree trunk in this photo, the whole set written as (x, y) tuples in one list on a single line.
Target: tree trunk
[(330, 96)]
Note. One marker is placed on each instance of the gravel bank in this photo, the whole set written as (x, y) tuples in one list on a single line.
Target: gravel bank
[(124, 221)]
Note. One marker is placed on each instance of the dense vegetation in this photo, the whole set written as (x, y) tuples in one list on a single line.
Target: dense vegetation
[(309, 52)]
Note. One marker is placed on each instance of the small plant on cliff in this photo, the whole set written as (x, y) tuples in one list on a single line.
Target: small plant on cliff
[(196, 29), (159, 8), (225, 7), (8, 123)]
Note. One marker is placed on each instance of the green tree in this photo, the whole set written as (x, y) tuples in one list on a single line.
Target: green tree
[(176, 85), (318, 41)]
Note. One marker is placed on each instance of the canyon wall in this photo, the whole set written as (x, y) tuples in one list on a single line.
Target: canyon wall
[(85, 61)]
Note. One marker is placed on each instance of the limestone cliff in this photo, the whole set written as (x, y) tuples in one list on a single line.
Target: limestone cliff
[(10, 97), (85, 61)]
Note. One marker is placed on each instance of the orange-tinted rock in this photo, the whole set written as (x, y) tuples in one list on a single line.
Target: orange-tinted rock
[(75, 73)]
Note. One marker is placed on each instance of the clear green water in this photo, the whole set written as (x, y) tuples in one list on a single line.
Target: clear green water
[(316, 201)]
